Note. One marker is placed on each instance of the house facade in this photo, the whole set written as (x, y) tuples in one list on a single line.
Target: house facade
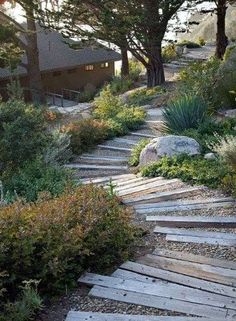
[(64, 68)]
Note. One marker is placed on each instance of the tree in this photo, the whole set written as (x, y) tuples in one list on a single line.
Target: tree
[(139, 25), (26, 39)]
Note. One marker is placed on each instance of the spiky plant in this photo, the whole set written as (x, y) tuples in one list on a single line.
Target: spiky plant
[(226, 148), (185, 113)]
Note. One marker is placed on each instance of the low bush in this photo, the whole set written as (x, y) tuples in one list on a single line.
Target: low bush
[(226, 148), (25, 307), (169, 53), (135, 69), (33, 178), (55, 240), (199, 79), (136, 151), (23, 133), (195, 170), (144, 96), (120, 85), (189, 44), (187, 112), (85, 134), (131, 118), (201, 41), (107, 105)]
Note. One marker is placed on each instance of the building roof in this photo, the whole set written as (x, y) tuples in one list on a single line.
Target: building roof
[(55, 54)]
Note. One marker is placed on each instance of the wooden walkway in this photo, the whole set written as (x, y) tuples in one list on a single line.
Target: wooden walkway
[(199, 287)]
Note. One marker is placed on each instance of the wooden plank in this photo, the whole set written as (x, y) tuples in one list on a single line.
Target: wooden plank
[(163, 196), (143, 135), (190, 232), (184, 208), (178, 278), (151, 184), (178, 291), (96, 316), (104, 159), (186, 202), (193, 221), (200, 240), (96, 167), (125, 141), (140, 183), (201, 271), (161, 303), (100, 180), (196, 258), (120, 149)]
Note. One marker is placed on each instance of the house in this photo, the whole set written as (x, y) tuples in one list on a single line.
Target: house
[(63, 68)]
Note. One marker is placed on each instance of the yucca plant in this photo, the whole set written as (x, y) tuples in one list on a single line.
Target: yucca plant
[(185, 113)]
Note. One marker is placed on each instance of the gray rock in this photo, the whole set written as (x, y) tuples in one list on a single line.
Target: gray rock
[(210, 156), (168, 146)]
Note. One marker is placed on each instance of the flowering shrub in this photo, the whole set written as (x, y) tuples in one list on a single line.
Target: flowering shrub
[(55, 240)]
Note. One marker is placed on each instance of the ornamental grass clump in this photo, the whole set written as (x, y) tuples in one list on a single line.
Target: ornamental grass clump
[(226, 148), (188, 112)]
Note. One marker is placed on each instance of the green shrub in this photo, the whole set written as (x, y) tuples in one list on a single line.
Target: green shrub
[(187, 112), (131, 118), (86, 96), (33, 178), (144, 96), (229, 184), (169, 53), (57, 239), (136, 151), (226, 148), (195, 170), (228, 52), (189, 44), (23, 133), (135, 69), (25, 307), (86, 134), (200, 79), (201, 41), (120, 85), (107, 105)]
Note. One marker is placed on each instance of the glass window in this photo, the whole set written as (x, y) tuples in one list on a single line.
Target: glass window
[(105, 65), (89, 67)]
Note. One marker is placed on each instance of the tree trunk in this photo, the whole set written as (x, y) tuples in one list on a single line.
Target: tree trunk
[(125, 62), (221, 38), (155, 68), (33, 69)]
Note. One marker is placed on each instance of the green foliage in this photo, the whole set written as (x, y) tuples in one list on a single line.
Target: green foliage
[(144, 96), (26, 306), (131, 118), (85, 134), (120, 85), (200, 79), (33, 178), (169, 53), (86, 96), (189, 44), (229, 184), (55, 240), (195, 170), (187, 112), (135, 69), (228, 52), (136, 151), (201, 41), (226, 148), (107, 105), (23, 133)]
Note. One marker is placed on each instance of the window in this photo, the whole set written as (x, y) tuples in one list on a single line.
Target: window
[(105, 65), (71, 71), (56, 73), (89, 67)]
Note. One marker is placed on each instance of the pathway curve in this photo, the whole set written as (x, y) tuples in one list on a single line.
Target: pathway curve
[(190, 268)]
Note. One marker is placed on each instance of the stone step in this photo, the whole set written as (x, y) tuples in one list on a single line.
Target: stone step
[(120, 149)]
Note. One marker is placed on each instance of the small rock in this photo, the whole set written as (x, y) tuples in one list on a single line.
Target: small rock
[(210, 156), (168, 146)]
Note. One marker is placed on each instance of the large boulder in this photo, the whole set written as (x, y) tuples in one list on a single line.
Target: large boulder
[(168, 146)]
